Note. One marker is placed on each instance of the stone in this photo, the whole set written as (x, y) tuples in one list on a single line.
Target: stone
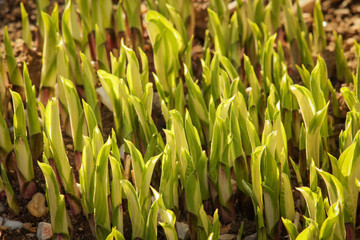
[(13, 224), (37, 205), (307, 6), (3, 228), (225, 229), (27, 226), (227, 237), (44, 231), (251, 237), (182, 229)]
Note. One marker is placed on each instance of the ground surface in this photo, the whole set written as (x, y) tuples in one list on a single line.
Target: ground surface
[(340, 16)]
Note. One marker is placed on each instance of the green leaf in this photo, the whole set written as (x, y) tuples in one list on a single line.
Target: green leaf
[(101, 51), (115, 235), (87, 176), (143, 119), (144, 67), (5, 140), (69, 29), (335, 192), (11, 199), (32, 115), (167, 44), (49, 54), (177, 128), (199, 156), (75, 112), (351, 100), (175, 17), (191, 183), (101, 192), (256, 176), (318, 28), (151, 222), (328, 227), (91, 121), (111, 84), (169, 176), (306, 103), (286, 198), (291, 228), (12, 68), (133, 76), (23, 158), (89, 80), (132, 10), (145, 197), (19, 115), (56, 202), (116, 194), (314, 203), (137, 220), (56, 143), (196, 97), (311, 232), (218, 35), (313, 138), (25, 26)]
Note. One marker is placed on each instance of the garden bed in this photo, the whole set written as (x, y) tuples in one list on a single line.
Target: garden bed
[(340, 16)]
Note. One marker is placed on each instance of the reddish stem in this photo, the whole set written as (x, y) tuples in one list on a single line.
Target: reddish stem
[(92, 44), (349, 231), (78, 160)]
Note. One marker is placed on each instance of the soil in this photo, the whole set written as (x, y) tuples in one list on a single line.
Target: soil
[(340, 16)]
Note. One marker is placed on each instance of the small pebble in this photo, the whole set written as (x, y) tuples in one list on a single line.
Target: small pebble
[(27, 226), (81, 229), (44, 231), (13, 224), (182, 229), (37, 205), (3, 228), (227, 237), (251, 237), (33, 229), (69, 147)]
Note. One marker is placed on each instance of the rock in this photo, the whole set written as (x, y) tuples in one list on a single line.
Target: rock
[(3, 228), (307, 6), (227, 237), (69, 147), (182, 229), (37, 205), (225, 229), (27, 226), (251, 237), (12, 224), (44, 231)]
